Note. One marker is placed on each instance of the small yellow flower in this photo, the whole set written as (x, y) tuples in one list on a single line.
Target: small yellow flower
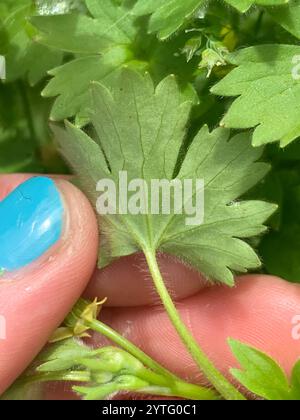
[(75, 323)]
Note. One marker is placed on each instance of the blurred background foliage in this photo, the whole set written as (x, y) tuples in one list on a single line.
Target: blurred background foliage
[(26, 144)]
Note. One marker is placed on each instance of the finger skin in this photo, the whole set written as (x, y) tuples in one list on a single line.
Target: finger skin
[(35, 299), (127, 281)]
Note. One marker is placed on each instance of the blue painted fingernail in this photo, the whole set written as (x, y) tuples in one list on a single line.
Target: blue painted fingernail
[(31, 221)]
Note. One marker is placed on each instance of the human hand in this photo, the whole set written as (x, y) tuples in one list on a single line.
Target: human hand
[(54, 267)]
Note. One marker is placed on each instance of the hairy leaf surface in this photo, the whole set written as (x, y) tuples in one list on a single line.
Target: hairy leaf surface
[(140, 130)]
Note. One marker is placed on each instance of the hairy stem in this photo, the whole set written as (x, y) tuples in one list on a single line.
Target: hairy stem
[(222, 385)]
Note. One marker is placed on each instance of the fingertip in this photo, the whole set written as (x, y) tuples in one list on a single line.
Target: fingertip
[(35, 299)]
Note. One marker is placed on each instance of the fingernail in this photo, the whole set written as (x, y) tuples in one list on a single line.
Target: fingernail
[(31, 221)]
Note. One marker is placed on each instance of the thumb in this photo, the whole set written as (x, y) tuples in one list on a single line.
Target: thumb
[(48, 250)]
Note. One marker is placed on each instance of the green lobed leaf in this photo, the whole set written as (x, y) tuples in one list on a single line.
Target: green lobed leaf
[(268, 88), (140, 130), (261, 375)]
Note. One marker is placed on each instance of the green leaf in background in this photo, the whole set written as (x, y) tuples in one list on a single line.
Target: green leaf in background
[(168, 16), (55, 7), (25, 143), (102, 43), (140, 130), (17, 147), (280, 249), (71, 82), (23, 56), (268, 85), (288, 16), (31, 59), (245, 5), (15, 156), (8, 6), (261, 375), (110, 25), (281, 252)]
